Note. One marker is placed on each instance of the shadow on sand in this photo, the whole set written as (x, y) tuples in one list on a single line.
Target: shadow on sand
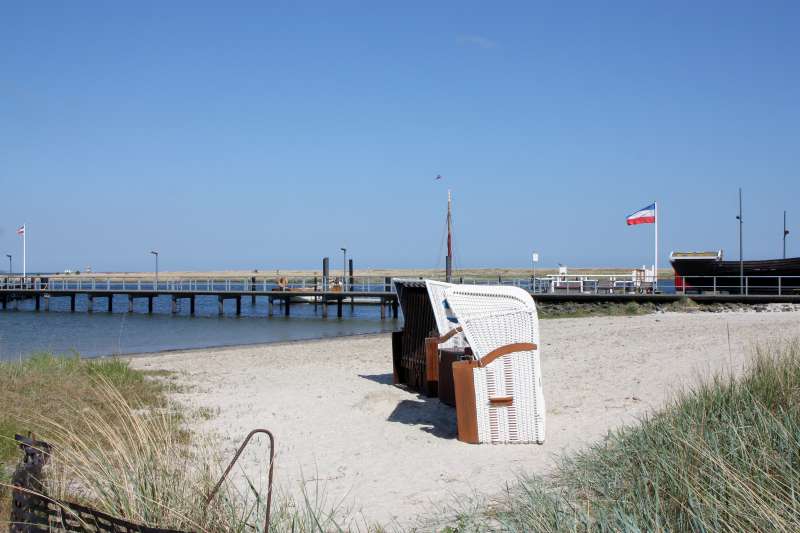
[(431, 415)]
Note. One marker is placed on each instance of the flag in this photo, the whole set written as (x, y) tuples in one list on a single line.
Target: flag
[(21, 230), (646, 215)]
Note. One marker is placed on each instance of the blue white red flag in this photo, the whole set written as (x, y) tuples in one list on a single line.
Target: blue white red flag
[(646, 215)]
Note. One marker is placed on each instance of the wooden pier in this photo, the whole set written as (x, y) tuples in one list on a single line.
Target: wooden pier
[(282, 295), (284, 300)]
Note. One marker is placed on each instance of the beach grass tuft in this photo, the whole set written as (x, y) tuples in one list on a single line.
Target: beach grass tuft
[(121, 446), (723, 456)]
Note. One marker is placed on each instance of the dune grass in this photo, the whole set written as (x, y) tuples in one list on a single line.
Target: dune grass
[(48, 384), (723, 456), (44, 384), (121, 446)]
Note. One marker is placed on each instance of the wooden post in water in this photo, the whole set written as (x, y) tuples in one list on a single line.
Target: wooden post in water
[(191, 305), (383, 308), (91, 304), (253, 288), (339, 307), (239, 305), (130, 303), (286, 306), (72, 303), (110, 303), (150, 305), (220, 305), (269, 306), (37, 302), (174, 304), (47, 303), (352, 282)]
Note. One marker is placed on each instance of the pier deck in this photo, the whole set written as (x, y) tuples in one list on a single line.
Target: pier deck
[(317, 292)]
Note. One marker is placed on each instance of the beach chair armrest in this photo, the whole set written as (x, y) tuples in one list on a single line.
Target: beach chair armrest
[(447, 336), (505, 350)]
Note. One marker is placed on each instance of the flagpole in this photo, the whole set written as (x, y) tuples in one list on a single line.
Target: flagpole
[(655, 273)]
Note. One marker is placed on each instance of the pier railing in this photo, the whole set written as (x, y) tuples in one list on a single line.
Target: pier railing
[(551, 284)]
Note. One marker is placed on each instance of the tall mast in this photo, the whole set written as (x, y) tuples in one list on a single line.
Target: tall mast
[(449, 261)]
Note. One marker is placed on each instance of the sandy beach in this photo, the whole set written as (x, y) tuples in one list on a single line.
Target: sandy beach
[(389, 455)]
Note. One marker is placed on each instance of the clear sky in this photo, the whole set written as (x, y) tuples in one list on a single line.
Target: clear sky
[(267, 135)]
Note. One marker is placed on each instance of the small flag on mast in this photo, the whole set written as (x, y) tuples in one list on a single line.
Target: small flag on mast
[(21, 230), (645, 215)]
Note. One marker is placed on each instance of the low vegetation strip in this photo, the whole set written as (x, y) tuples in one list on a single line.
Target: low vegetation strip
[(724, 456)]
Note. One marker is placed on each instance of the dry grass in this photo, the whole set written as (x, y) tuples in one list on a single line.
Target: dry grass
[(120, 446), (48, 385)]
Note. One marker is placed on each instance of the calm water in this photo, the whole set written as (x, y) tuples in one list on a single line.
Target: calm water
[(24, 331)]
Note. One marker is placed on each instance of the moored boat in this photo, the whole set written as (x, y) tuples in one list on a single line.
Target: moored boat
[(708, 272)]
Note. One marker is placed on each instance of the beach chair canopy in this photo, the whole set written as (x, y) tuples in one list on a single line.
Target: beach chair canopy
[(446, 320)]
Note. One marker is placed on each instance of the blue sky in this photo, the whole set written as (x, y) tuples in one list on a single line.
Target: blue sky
[(267, 135)]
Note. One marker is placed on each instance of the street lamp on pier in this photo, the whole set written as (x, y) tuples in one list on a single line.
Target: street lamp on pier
[(785, 234), (155, 253)]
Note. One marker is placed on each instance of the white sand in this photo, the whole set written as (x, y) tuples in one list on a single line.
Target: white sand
[(391, 454)]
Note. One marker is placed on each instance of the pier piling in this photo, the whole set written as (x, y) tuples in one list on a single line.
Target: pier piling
[(38, 303), (269, 306), (72, 303), (110, 303), (238, 306), (191, 305), (174, 304), (150, 305), (91, 303), (339, 307), (220, 305), (47, 303), (130, 304), (286, 306)]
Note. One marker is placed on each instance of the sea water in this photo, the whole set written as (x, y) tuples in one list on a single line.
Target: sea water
[(24, 331)]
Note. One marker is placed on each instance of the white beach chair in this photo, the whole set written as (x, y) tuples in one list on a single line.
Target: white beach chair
[(499, 395)]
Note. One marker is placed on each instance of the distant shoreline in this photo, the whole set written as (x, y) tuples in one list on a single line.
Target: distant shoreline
[(272, 274)]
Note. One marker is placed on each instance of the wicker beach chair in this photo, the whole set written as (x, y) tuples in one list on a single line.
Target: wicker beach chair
[(499, 395)]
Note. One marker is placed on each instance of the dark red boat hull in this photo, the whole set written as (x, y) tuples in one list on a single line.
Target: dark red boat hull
[(771, 276)]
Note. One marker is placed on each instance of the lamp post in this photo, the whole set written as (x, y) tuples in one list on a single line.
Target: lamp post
[(9, 263), (534, 260), (155, 253), (344, 269), (785, 233), (741, 260)]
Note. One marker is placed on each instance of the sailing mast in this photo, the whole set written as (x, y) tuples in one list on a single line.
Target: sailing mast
[(449, 260)]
